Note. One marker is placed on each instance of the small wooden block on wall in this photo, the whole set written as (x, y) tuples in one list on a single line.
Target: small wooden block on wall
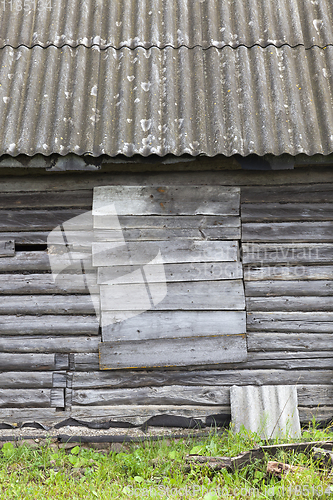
[(204, 350)]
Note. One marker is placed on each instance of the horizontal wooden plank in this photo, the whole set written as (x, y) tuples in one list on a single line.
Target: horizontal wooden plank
[(25, 380), (47, 199), (39, 260), (137, 415), (302, 322), (57, 398), (7, 248), (49, 325), (194, 271), (154, 324), (26, 237), (25, 398), (197, 295), (171, 395), (289, 304), (26, 362), (288, 272), (291, 253), (43, 305), (35, 220), (38, 283), (173, 252), (308, 395), (167, 200), (286, 288), (86, 362), (276, 341), (46, 344), (210, 233), (311, 193), (173, 352), (288, 231), (287, 212), (165, 222)]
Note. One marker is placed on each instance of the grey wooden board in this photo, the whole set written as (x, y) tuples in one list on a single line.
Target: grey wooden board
[(59, 379), (307, 414), (288, 231), (165, 222), (289, 304), (172, 395), (35, 220), (39, 260), (61, 361), (173, 352), (7, 248), (47, 199), (167, 200), (256, 212), (47, 344), (48, 416), (45, 304), (25, 398), (210, 233), (194, 271), (287, 288), (34, 283), (213, 377), (137, 415), (26, 362), (299, 193), (26, 237), (57, 398), (48, 325), (302, 322), (198, 295), (85, 362), (154, 324), (288, 272), (314, 395), (25, 380), (173, 252), (293, 253), (274, 341)]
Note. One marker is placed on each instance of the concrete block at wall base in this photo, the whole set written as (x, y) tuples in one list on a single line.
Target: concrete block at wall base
[(270, 411)]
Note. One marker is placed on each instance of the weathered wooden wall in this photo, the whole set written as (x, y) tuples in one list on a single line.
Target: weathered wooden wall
[(49, 335)]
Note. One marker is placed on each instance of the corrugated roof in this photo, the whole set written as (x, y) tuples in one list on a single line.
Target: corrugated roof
[(166, 101), (161, 23), (213, 89)]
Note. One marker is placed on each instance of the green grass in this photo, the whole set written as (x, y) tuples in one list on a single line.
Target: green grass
[(155, 470)]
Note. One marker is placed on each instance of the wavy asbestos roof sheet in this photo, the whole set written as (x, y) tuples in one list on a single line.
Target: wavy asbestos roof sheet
[(214, 101), (161, 23)]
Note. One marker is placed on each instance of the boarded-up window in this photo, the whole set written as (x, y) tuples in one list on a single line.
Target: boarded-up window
[(169, 276)]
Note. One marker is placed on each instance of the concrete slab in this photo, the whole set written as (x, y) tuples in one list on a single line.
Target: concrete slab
[(270, 410)]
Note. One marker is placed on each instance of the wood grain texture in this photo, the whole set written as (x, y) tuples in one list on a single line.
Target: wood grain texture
[(287, 212), (7, 248), (302, 288), (289, 303), (302, 322), (36, 283), (44, 305), (47, 199), (292, 253), (47, 344), (35, 220), (25, 380), (173, 252), (48, 325), (173, 352), (57, 398), (288, 231), (167, 200), (298, 193), (172, 395), (154, 324), (25, 398), (209, 233), (275, 341), (26, 362), (165, 222), (199, 295), (194, 271), (288, 272)]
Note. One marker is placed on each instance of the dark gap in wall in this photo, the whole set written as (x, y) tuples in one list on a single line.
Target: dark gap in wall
[(33, 247)]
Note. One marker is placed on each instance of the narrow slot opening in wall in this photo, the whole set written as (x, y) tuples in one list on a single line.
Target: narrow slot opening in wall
[(33, 247)]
